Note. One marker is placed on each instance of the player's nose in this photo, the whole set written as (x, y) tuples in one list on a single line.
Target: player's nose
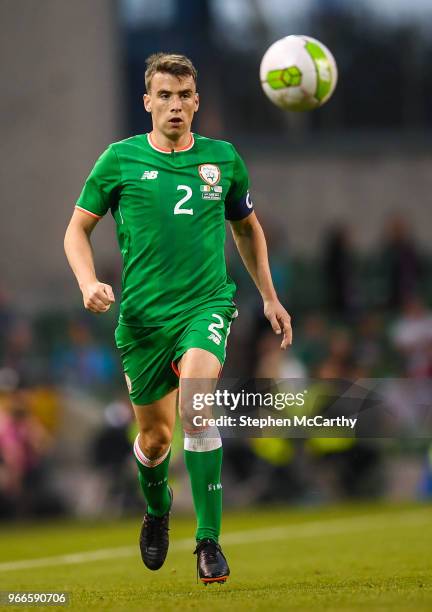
[(176, 103)]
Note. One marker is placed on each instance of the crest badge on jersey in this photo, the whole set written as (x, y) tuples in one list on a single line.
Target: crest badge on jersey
[(210, 174)]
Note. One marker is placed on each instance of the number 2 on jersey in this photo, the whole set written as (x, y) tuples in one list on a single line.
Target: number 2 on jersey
[(178, 210)]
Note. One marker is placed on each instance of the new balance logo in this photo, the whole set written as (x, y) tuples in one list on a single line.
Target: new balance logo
[(216, 339), (150, 174)]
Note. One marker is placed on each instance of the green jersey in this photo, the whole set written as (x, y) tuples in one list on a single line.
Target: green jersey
[(170, 209)]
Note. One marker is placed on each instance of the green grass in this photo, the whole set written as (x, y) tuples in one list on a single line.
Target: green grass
[(347, 558)]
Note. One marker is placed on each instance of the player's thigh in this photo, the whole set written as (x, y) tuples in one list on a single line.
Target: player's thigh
[(200, 355), (199, 363), (199, 371)]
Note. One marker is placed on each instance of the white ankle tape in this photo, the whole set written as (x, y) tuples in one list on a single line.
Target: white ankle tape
[(145, 460), (207, 440)]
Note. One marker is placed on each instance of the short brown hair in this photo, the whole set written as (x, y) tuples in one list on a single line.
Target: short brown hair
[(171, 63)]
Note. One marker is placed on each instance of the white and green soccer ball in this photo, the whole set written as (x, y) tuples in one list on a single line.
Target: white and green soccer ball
[(298, 73)]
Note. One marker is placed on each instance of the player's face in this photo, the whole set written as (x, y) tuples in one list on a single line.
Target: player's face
[(172, 102)]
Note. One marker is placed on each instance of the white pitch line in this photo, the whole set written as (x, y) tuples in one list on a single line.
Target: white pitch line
[(299, 530)]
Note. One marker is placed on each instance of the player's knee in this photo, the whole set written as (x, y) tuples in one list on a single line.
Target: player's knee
[(187, 420), (206, 439), (155, 442)]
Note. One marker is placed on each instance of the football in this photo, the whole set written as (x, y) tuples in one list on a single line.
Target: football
[(298, 73)]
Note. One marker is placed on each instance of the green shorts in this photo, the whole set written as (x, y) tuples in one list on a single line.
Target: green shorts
[(150, 354)]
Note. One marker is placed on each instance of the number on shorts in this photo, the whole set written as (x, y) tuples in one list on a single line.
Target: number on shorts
[(214, 329)]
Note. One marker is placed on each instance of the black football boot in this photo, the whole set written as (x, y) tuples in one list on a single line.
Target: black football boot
[(154, 538), (211, 563)]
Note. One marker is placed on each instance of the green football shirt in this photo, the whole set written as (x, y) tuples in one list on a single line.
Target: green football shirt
[(170, 209)]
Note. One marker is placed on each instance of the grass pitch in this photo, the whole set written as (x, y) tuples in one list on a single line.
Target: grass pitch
[(347, 558)]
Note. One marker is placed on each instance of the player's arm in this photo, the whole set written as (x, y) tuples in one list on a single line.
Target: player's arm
[(251, 244), (97, 296), (100, 193)]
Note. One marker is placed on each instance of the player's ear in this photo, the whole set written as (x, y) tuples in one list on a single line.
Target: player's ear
[(147, 103), (196, 102)]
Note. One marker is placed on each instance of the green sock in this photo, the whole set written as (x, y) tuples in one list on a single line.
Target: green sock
[(204, 469), (154, 481)]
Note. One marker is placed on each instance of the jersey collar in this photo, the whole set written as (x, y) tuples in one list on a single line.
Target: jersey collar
[(169, 151)]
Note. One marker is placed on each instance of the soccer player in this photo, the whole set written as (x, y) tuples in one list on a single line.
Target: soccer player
[(170, 192)]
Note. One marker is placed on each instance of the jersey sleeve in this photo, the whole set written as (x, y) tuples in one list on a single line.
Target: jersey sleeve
[(102, 186), (238, 203)]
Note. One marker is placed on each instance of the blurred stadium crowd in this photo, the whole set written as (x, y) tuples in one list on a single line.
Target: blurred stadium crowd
[(66, 425)]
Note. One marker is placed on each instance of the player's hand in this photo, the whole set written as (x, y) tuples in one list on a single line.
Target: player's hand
[(97, 297), (279, 320)]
